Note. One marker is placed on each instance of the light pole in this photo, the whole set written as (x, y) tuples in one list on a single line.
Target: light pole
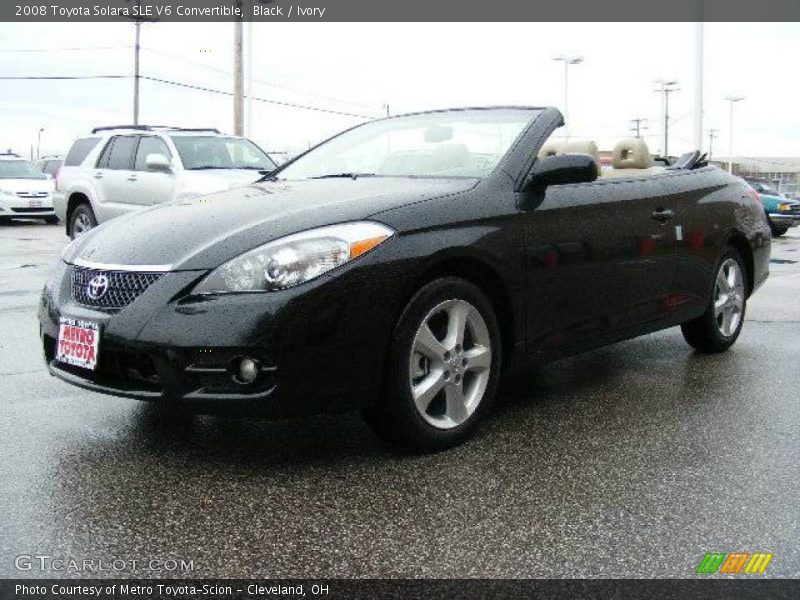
[(667, 87), (733, 100), (39, 143), (568, 60)]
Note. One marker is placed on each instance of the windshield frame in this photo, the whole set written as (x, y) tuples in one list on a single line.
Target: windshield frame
[(535, 113)]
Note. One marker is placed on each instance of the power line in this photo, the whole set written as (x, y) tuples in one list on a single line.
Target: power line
[(71, 49), (257, 99), (183, 85), (259, 81), (61, 77)]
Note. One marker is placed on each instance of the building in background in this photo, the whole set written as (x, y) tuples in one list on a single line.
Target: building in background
[(780, 173)]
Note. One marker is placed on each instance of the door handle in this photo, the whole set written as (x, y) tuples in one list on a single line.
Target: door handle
[(98, 175), (132, 178), (662, 215)]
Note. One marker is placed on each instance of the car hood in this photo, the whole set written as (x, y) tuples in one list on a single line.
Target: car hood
[(26, 185), (208, 181), (204, 232)]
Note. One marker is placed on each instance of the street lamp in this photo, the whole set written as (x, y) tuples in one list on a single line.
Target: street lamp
[(733, 100), (39, 142), (667, 87), (568, 60)]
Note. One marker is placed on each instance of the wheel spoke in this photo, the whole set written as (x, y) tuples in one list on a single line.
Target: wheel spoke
[(726, 321), (456, 403), (456, 324), (479, 358), (427, 344), (426, 390), (722, 281), (733, 276), (721, 303)]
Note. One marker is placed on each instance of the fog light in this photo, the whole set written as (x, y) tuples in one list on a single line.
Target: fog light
[(248, 370)]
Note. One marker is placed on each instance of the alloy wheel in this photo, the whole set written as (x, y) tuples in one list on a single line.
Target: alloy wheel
[(729, 297), (450, 363), (82, 224)]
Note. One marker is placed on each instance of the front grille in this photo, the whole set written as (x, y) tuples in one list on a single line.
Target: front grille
[(32, 195), (32, 210), (123, 287)]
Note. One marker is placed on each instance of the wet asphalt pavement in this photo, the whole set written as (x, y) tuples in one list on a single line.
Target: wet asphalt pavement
[(629, 461)]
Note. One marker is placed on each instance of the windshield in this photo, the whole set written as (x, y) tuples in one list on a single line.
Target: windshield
[(19, 169), (217, 152), (458, 143)]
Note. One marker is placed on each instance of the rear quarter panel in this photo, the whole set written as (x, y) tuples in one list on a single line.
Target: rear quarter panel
[(711, 208)]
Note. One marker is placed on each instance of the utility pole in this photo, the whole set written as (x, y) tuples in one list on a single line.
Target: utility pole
[(568, 60), (712, 133), (137, 24), (386, 107), (248, 121), (136, 75), (638, 124), (238, 80), (698, 82), (667, 87), (732, 100)]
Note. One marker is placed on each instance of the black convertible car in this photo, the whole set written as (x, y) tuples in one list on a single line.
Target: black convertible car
[(400, 268)]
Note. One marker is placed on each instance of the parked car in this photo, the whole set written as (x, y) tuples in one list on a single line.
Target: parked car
[(49, 165), (122, 169), (399, 268), (25, 191), (782, 213)]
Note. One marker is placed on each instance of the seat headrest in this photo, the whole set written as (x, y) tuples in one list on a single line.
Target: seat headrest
[(631, 153), (583, 147), (551, 148)]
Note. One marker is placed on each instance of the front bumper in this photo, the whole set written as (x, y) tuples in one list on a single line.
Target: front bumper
[(321, 346), (15, 207), (786, 219)]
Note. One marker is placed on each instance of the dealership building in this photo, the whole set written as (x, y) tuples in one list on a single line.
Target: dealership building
[(781, 173)]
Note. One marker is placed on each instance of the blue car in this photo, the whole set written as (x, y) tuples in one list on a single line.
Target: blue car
[(782, 213)]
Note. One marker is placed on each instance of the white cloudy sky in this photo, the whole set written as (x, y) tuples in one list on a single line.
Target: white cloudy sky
[(412, 66)]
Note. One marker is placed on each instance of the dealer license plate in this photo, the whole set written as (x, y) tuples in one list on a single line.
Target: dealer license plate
[(78, 343)]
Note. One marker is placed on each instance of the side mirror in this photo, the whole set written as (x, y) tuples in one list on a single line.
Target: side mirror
[(157, 162), (561, 169)]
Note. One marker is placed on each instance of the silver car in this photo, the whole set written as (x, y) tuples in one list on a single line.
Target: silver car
[(117, 170)]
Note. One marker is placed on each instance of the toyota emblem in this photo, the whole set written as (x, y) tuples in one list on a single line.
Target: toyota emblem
[(97, 287)]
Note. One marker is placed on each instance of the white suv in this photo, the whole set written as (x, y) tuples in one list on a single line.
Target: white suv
[(25, 191), (116, 170)]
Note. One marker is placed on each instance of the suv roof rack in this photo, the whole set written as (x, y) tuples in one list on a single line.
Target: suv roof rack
[(153, 128)]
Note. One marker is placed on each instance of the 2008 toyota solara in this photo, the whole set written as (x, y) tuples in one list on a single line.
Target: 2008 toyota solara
[(400, 268)]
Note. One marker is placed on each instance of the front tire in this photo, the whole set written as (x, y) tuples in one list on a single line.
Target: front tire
[(443, 369), (719, 326), (81, 220)]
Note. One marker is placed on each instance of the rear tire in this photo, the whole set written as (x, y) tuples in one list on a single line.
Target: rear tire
[(777, 230), (443, 368), (81, 220), (719, 326)]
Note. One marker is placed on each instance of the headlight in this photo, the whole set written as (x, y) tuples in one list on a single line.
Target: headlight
[(784, 207), (294, 259)]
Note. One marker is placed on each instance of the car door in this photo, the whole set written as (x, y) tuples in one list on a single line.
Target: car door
[(150, 187), (599, 261), (112, 175)]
